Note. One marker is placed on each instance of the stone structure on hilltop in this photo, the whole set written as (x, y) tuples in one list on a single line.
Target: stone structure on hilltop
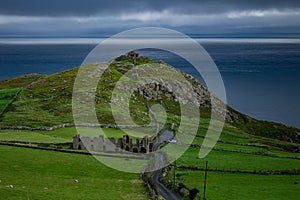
[(111, 145), (132, 54)]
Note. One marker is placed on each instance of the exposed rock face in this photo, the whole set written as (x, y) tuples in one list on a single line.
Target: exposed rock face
[(158, 88), (206, 99)]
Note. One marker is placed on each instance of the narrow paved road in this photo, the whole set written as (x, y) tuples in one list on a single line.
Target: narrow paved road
[(165, 192), (164, 137)]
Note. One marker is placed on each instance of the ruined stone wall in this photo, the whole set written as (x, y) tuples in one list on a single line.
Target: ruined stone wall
[(111, 145)]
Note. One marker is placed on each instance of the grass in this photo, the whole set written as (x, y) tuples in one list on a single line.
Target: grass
[(64, 135), (238, 152), (223, 160), (242, 148), (6, 95), (236, 186), (31, 136), (38, 174), (233, 138), (46, 102), (21, 81), (220, 185)]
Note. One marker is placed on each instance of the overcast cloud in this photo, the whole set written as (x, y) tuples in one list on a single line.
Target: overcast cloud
[(83, 17)]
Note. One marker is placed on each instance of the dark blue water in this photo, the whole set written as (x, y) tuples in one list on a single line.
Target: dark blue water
[(16, 60), (261, 78)]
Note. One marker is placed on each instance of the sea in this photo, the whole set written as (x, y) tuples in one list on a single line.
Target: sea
[(261, 75)]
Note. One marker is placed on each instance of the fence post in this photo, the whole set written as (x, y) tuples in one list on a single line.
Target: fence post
[(205, 177), (174, 173)]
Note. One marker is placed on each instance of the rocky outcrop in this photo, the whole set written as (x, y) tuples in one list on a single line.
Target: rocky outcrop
[(158, 88)]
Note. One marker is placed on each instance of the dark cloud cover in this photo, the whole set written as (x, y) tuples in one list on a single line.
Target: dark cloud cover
[(94, 16), (111, 7)]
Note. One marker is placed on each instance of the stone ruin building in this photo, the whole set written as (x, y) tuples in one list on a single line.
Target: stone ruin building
[(132, 54), (101, 143)]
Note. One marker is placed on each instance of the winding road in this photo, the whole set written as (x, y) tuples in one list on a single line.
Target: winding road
[(163, 190)]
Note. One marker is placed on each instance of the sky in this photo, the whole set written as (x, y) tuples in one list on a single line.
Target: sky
[(96, 17)]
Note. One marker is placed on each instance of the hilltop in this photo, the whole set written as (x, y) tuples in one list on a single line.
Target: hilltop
[(45, 101)]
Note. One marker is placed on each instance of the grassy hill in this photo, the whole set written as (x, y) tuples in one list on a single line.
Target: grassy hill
[(47, 101), (253, 159)]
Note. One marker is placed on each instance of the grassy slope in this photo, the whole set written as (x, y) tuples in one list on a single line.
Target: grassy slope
[(37, 174), (40, 105), (6, 95), (48, 101), (19, 82), (267, 129)]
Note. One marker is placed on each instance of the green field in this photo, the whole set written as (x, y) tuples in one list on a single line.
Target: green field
[(223, 160), (31, 137), (242, 167), (237, 186), (64, 135), (40, 174), (237, 154)]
